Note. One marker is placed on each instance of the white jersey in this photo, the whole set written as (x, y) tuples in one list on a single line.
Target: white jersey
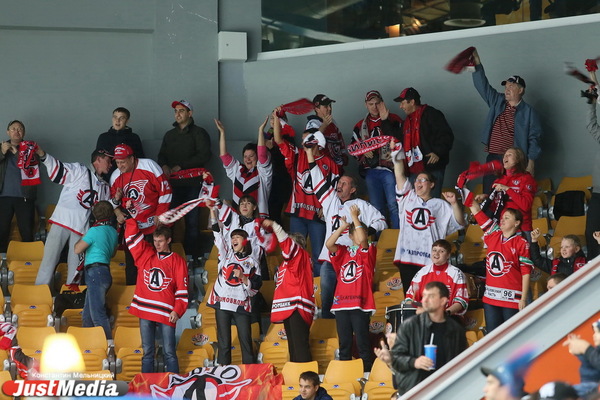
[(334, 209), (421, 224), (251, 184), (82, 189)]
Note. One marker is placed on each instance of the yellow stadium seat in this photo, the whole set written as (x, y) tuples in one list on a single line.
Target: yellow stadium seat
[(195, 346), (31, 305), (128, 351), (31, 339), (276, 353), (23, 260), (93, 345), (344, 372), (5, 377), (472, 248), (384, 300), (386, 248)]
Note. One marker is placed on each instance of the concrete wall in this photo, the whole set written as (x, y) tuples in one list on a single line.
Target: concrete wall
[(536, 51), (67, 64)]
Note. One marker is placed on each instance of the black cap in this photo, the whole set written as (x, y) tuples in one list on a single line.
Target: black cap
[(408, 94), (515, 79), (322, 100)]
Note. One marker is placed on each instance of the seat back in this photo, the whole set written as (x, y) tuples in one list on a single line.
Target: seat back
[(31, 294), (24, 251), (384, 300), (380, 372), (275, 333), (347, 371), (291, 371), (93, 345), (31, 339), (126, 336), (276, 353), (386, 248), (322, 328)]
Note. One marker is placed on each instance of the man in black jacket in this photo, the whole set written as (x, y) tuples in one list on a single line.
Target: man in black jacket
[(406, 359), (426, 136)]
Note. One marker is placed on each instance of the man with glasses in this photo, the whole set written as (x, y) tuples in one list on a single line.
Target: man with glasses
[(186, 146)]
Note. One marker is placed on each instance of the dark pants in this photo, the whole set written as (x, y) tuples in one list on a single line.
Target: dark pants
[(496, 316), (355, 322), (297, 331), (130, 268), (407, 273), (592, 224), (242, 322), (181, 194), (24, 209)]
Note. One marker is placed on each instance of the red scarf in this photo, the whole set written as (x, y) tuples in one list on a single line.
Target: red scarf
[(411, 128), (28, 163)]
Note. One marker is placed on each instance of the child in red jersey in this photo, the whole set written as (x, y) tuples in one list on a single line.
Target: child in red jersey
[(353, 302), (508, 266), (294, 297)]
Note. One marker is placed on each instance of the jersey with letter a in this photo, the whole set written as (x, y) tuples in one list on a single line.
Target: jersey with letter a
[(506, 263), (161, 279), (354, 268), (421, 224)]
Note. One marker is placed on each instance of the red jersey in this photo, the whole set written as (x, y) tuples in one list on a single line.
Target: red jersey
[(162, 279), (149, 190), (293, 284), (449, 275), (303, 202), (521, 191), (506, 263), (355, 268)]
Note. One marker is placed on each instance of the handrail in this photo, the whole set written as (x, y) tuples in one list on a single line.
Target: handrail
[(572, 303)]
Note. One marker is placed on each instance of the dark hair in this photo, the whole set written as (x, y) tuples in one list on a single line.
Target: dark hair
[(122, 110), (250, 146), (15, 121), (574, 238), (521, 165), (99, 153), (102, 210), (353, 184), (310, 376), (244, 234), (444, 244), (163, 230), (252, 201), (515, 213), (443, 289), (429, 176), (559, 277)]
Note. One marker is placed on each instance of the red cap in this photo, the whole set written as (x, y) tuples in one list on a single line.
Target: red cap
[(122, 151), (372, 93)]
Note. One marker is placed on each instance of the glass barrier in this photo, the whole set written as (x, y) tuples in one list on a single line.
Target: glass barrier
[(288, 24)]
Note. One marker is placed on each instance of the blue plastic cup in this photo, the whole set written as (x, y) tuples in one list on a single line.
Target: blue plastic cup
[(431, 353)]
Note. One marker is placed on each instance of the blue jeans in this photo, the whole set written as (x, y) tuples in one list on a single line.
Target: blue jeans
[(98, 281), (496, 316), (316, 231), (381, 185), (148, 332), (438, 175), (328, 284)]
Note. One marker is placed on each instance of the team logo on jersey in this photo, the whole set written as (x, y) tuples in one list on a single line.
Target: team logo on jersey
[(156, 280), (135, 191), (336, 221), (350, 272), (228, 274), (306, 180), (87, 198), (497, 265), (420, 218)]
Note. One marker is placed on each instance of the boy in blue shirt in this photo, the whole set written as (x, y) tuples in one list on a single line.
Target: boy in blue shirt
[(99, 244)]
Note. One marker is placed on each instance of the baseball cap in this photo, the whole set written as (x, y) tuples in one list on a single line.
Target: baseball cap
[(558, 391), (122, 151), (515, 79), (100, 153), (184, 103), (408, 94), (372, 93), (322, 100)]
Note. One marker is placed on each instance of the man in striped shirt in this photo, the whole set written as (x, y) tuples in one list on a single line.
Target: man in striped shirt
[(510, 121)]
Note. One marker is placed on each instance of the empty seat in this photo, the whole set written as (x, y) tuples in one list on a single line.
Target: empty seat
[(31, 305), (128, 352), (93, 345), (31, 339), (195, 346), (345, 372), (23, 261)]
